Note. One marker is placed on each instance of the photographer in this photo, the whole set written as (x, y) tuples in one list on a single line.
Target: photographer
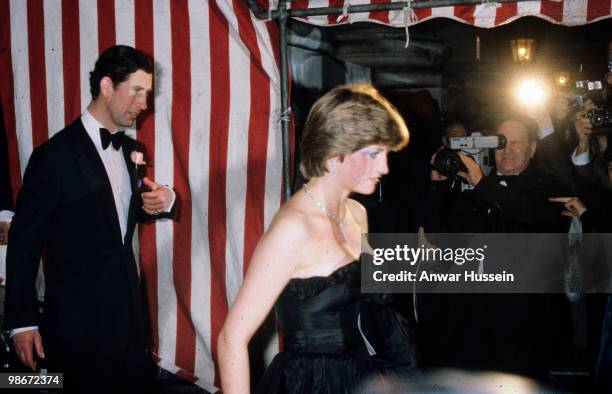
[(589, 155), (511, 199), (455, 128), (556, 139), (503, 332)]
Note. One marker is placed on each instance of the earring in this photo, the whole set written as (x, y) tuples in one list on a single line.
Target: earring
[(334, 169)]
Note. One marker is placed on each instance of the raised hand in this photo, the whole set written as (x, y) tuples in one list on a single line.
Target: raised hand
[(474, 173), (157, 199)]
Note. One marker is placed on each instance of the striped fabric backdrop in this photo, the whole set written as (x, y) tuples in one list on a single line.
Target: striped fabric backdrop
[(213, 135), (488, 14)]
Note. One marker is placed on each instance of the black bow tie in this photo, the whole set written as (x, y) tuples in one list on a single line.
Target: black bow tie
[(107, 138), (505, 178)]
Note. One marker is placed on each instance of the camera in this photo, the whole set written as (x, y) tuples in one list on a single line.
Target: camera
[(588, 90), (448, 163), (600, 118)]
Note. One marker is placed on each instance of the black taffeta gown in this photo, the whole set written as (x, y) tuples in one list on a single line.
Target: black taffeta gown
[(334, 336)]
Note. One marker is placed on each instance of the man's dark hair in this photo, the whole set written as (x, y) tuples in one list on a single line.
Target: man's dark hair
[(530, 124), (117, 63), (454, 120)]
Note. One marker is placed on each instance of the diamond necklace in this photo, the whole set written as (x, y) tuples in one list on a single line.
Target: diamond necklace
[(319, 204)]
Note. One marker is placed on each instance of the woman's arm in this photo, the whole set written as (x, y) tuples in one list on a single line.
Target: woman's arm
[(275, 259)]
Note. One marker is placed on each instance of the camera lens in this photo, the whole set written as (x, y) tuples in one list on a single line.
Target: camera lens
[(447, 162)]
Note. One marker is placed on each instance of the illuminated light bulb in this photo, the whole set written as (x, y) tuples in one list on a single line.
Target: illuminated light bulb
[(530, 92)]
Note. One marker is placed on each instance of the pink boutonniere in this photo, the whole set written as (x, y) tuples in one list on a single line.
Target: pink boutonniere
[(138, 159)]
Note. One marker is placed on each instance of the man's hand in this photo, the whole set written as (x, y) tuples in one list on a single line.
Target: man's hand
[(474, 173), (4, 229), (540, 115), (603, 143), (573, 205), (157, 199), (24, 341), (435, 175), (537, 112)]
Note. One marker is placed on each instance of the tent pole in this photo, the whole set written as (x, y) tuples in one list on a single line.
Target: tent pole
[(396, 6), (359, 8), (285, 110)]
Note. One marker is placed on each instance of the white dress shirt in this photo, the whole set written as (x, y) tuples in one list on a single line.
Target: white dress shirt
[(6, 216), (581, 159), (116, 170)]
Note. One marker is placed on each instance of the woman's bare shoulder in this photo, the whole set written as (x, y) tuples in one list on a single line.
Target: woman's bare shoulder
[(291, 222)]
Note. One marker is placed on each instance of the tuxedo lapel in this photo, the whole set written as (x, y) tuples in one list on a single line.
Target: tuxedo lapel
[(128, 148), (92, 168), (129, 145)]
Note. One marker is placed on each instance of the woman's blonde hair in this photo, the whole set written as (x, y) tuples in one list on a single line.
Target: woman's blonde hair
[(346, 119)]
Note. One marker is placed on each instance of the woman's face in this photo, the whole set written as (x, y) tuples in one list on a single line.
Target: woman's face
[(361, 170)]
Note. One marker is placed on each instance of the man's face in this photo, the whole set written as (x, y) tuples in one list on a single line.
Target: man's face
[(589, 105), (515, 156), (454, 131), (126, 100)]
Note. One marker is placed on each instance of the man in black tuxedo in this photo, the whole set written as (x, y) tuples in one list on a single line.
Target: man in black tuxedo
[(513, 333), (80, 202)]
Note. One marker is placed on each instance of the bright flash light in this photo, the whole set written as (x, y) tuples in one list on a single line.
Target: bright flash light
[(531, 92), (522, 51)]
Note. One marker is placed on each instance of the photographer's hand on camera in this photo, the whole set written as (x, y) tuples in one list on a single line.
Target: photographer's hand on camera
[(435, 175), (474, 173), (602, 141), (584, 128)]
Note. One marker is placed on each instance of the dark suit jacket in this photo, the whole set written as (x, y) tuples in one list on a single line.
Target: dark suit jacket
[(522, 207), (504, 332), (66, 208)]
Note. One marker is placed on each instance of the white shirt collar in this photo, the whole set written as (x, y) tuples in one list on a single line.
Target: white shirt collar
[(92, 126)]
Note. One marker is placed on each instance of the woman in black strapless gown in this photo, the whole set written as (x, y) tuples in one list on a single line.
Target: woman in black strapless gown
[(307, 265), (334, 336)]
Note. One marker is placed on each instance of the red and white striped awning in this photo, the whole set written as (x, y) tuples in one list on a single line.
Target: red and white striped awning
[(487, 14)]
